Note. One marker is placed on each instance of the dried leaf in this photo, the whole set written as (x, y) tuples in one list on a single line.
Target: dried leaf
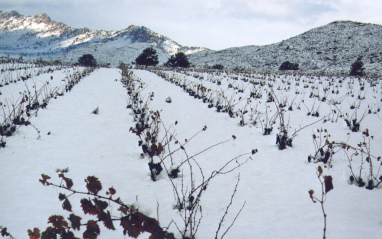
[(101, 205), (319, 170), (234, 137), (108, 222), (160, 148), (4, 232), (92, 230), (130, 227), (61, 197), (58, 222), (311, 192), (328, 183), (75, 221), (44, 179), (112, 191), (35, 234), (123, 209), (68, 181), (88, 207), (93, 184), (66, 205)]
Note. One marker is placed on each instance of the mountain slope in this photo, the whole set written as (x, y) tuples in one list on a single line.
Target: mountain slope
[(39, 36), (331, 47)]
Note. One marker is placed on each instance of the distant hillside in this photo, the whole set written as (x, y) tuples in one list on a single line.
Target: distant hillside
[(331, 47), (39, 36)]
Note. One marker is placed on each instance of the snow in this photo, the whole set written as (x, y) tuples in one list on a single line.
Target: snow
[(273, 183)]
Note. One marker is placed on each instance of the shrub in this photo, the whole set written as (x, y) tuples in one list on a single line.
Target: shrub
[(357, 68), (286, 65), (87, 60), (218, 67), (178, 60), (148, 57)]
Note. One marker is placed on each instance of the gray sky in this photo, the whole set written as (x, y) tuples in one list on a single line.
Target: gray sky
[(216, 24)]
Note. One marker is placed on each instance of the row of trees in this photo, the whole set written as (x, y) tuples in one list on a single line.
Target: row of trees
[(149, 57)]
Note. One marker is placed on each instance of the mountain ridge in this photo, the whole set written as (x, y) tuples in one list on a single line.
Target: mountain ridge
[(39, 36), (331, 47)]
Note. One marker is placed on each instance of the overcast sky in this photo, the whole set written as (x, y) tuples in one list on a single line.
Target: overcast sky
[(216, 24)]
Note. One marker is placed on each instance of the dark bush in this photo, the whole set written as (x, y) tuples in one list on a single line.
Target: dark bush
[(178, 60), (357, 68), (286, 66), (87, 60), (148, 57), (218, 67)]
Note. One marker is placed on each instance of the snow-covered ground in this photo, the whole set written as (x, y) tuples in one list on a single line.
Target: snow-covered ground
[(274, 183)]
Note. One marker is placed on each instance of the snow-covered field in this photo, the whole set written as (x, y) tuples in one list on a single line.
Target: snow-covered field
[(273, 184)]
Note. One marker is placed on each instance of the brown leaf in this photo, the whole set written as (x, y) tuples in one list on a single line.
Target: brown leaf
[(35, 234), (58, 222), (319, 170), (44, 179), (93, 184), (88, 207), (66, 205), (69, 182), (4, 232), (108, 222), (123, 209), (101, 205), (160, 148), (328, 183), (311, 192), (92, 230), (75, 221), (130, 227), (112, 191), (61, 197)]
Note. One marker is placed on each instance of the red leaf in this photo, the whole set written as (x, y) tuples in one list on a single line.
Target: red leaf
[(75, 221), (66, 205), (93, 184)]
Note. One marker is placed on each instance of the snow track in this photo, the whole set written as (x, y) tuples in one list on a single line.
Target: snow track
[(274, 184)]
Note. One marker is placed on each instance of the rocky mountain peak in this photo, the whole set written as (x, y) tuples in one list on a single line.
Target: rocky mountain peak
[(41, 18)]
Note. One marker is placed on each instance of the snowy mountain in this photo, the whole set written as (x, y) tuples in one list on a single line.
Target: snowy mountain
[(39, 36), (331, 47)]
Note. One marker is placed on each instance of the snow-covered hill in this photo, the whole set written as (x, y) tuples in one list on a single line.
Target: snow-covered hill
[(39, 36), (331, 47)]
